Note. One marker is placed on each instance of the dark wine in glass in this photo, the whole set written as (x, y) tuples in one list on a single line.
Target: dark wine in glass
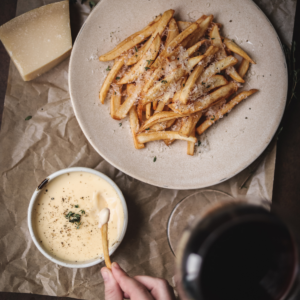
[(238, 251)]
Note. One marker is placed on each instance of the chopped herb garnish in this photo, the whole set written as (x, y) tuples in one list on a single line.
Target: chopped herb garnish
[(115, 93), (199, 143), (136, 49), (136, 55), (149, 61), (154, 159), (147, 68), (203, 83), (118, 78), (108, 68), (120, 124), (208, 87), (75, 218), (233, 40), (147, 128), (164, 81), (183, 85), (69, 214), (92, 4), (76, 206), (213, 117), (212, 38), (28, 118)]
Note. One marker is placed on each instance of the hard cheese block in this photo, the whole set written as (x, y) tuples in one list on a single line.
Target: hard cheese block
[(39, 39)]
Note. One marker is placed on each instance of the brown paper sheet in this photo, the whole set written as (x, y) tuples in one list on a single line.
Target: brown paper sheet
[(52, 140)]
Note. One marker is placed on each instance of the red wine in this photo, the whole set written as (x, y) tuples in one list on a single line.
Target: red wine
[(240, 252)]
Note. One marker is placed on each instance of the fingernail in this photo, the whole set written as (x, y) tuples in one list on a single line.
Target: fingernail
[(105, 274), (115, 266)]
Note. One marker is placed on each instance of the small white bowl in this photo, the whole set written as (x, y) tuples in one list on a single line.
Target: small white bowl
[(35, 195)]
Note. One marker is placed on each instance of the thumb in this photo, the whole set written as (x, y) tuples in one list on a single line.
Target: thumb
[(112, 288)]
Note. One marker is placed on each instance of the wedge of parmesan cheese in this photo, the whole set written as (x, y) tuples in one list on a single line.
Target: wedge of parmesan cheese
[(39, 39)]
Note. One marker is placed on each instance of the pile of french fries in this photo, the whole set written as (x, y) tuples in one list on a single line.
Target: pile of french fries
[(170, 76)]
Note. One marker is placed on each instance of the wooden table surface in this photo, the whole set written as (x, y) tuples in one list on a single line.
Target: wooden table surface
[(286, 196)]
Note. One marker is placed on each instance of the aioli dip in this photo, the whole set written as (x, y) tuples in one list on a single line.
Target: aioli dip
[(65, 216)]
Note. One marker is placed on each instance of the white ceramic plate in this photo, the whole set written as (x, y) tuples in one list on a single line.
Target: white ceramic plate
[(230, 145)]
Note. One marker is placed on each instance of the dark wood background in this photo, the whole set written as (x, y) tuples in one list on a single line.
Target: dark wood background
[(286, 196)]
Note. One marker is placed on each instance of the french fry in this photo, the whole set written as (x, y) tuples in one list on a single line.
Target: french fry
[(214, 82), (162, 125), (192, 62), (148, 110), (224, 109), (217, 41), (140, 109), (231, 71), (190, 123), (115, 101), (191, 145), (144, 64), (175, 127), (110, 78), (243, 67), (128, 103), (177, 94), (161, 104), (183, 98), (183, 25), (200, 32), (163, 135), (189, 52), (173, 31), (134, 124), (194, 48), (160, 117), (161, 25), (160, 107), (236, 49), (131, 41), (206, 101), (179, 38), (105, 245), (130, 89), (176, 43), (160, 87), (201, 19), (217, 67), (150, 81), (154, 104)]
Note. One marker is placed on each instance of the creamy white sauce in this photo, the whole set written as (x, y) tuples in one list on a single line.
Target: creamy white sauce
[(70, 197)]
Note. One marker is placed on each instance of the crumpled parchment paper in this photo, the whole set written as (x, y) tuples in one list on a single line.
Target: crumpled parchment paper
[(52, 140)]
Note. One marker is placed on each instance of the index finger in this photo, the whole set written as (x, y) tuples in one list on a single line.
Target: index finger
[(131, 287), (159, 288)]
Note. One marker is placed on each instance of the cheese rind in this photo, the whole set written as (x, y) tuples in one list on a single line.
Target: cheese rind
[(39, 39)]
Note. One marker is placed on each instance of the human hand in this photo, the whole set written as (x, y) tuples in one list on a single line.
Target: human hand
[(119, 285)]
